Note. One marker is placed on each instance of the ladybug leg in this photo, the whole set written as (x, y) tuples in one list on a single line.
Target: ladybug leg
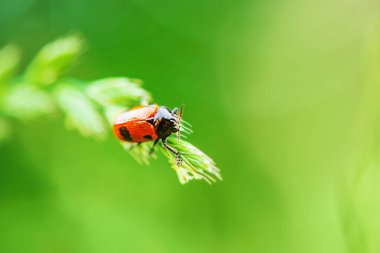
[(154, 144), (173, 150)]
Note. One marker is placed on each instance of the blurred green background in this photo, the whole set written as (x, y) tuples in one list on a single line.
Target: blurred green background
[(284, 95)]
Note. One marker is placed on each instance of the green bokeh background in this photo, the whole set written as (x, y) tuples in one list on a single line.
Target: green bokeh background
[(284, 95)]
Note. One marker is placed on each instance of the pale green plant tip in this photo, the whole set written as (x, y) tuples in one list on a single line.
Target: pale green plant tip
[(195, 165), (9, 60), (118, 91), (141, 153), (53, 60), (25, 103), (80, 113), (111, 112)]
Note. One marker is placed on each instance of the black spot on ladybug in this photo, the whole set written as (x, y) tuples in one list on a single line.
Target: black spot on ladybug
[(148, 137), (125, 133)]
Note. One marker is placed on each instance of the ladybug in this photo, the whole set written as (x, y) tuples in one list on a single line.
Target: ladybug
[(149, 123)]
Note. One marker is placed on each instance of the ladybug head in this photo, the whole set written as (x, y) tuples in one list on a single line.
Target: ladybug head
[(167, 122)]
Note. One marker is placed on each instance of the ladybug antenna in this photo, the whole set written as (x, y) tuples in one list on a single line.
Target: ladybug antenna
[(179, 123)]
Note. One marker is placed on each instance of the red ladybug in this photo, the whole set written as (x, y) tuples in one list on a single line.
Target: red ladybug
[(149, 123)]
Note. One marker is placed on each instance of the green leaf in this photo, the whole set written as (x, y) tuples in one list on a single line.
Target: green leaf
[(195, 164), (81, 114), (118, 91), (53, 60), (26, 102), (9, 60)]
